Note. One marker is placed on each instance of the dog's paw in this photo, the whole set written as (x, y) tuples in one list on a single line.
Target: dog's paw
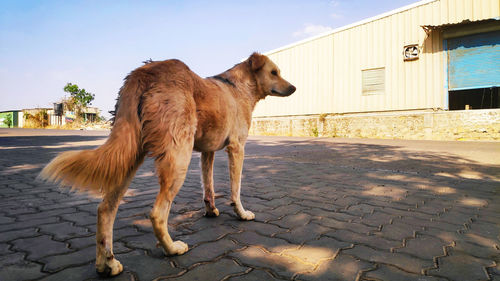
[(177, 248), (112, 267), (246, 215), (212, 213)]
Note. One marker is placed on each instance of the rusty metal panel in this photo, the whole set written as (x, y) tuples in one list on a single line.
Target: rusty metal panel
[(474, 61)]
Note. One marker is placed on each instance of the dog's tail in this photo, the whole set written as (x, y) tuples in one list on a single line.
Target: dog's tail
[(108, 166)]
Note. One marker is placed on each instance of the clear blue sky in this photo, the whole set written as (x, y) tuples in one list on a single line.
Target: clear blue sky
[(93, 43)]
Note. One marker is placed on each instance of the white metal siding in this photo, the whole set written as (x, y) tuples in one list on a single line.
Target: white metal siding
[(327, 69), (310, 68)]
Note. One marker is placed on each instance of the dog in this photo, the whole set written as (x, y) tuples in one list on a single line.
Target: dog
[(164, 111)]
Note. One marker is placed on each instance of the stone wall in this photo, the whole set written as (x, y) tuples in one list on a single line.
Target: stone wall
[(417, 125)]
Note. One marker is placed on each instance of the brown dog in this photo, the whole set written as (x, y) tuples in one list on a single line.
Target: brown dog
[(164, 110)]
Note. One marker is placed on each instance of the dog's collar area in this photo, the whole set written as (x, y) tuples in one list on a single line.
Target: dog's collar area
[(224, 80)]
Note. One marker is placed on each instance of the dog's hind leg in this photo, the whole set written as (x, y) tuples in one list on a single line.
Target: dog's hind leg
[(106, 264), (171, 168), (236, 154), (207, 165), (169, 121)]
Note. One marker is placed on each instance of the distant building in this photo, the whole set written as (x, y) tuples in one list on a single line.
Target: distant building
[(45, 116), (15, 117), (430, 70), (90, 114)]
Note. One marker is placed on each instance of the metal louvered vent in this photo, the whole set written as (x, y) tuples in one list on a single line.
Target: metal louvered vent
[(373, 81)]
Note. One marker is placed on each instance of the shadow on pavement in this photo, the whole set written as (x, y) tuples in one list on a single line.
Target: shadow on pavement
[(324, 209)]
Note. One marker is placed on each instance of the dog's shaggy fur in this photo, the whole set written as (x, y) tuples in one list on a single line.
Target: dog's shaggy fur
[(164, 111)]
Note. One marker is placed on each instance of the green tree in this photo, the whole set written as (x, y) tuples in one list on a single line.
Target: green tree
[(79, 97), (8, 120)]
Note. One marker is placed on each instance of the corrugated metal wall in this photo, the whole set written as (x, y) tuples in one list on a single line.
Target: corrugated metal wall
[(327, 70), (309, 67)]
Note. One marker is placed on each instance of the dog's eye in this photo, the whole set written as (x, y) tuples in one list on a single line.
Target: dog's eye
[(274, 72)]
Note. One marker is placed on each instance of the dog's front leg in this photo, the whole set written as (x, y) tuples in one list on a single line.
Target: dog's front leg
[(236, 153)]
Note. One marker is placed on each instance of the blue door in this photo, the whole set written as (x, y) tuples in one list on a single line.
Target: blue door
[(474, 61)]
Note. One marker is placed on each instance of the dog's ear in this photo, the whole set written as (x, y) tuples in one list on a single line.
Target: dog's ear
[(256, 61)]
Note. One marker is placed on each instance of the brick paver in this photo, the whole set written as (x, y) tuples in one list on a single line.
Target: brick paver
[(326, 209)]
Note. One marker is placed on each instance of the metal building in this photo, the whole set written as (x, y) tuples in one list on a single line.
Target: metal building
[(433, 54)]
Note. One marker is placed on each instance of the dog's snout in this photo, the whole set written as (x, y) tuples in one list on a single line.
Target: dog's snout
[(286, 91)]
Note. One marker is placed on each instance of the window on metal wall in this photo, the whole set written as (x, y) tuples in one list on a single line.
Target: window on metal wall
[(482, 98), (373, 81)]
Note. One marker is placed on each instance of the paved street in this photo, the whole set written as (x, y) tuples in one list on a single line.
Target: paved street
[(326, 209)]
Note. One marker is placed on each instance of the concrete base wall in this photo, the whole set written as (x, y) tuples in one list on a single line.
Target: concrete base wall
[(414, 125)]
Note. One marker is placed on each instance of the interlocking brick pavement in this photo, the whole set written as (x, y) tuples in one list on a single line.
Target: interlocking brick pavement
[(326, 209)]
